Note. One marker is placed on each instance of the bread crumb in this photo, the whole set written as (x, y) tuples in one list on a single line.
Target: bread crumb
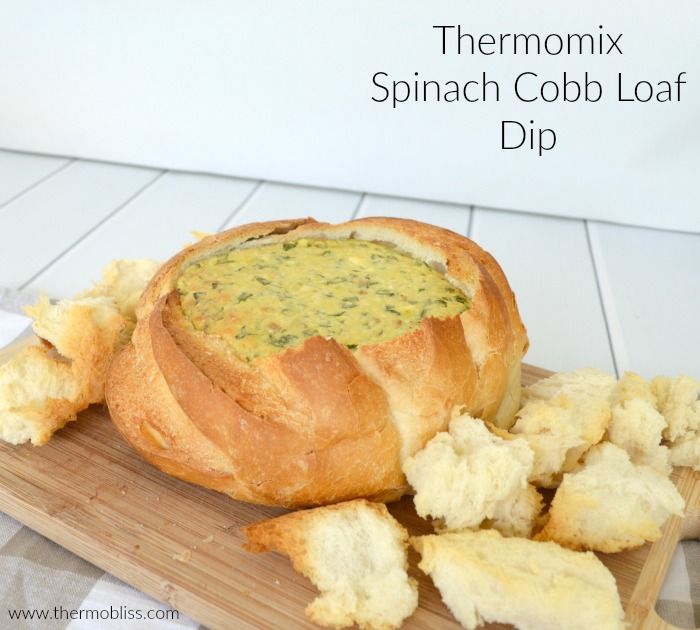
[(199, 234), (208, 539), (183, 557)]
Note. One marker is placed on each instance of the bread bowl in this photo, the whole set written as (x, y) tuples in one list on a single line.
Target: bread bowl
[(314, 418)]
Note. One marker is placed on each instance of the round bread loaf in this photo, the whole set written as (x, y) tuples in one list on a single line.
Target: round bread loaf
[(307, 409)]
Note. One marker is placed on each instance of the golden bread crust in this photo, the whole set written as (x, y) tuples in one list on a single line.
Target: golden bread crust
[(319, 423), (286, 534)]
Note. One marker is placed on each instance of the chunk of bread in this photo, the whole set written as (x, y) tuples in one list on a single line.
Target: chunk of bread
[(124, 281), (36, 396), (470, 475), (86, 333), (610, 504), (685, 451), (559, 431), (678, 399), (484, 578), (44, 386), (355, 553), (632, 386), (519, 516), (636, 425), (583, 383), (563, 416)]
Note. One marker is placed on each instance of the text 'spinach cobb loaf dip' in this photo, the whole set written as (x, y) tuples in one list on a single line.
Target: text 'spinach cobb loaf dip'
[(299, 363)]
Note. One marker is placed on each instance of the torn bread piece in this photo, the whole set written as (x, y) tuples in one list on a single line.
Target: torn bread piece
[(519, 516), (632, 386), (610, 504), (678, 400), (685, 451), (484, 578), (560, 430), (636, 425), (85, 332), (43, 387), (355, 553), (562, 417), (36, 396), (470, 476), (583, 383), (124, 281)]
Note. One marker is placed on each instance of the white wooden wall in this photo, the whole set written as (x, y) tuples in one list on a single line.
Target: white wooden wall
[(283, 90), (590, 293)]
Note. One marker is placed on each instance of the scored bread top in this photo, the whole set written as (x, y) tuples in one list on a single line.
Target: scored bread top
[(318, 422)]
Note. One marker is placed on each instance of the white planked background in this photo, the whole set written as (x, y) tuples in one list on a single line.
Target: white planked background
[(284, 90), (591, 293)]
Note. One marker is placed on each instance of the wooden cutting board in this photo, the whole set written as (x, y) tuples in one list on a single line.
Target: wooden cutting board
[(88, 491)]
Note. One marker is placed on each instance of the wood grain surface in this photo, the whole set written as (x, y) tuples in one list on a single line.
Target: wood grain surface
[(88, 491)]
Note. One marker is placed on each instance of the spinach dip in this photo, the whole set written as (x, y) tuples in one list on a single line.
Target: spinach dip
[(261, 300)]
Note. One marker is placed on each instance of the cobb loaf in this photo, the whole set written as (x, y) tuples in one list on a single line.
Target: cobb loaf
[(322, 421)]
